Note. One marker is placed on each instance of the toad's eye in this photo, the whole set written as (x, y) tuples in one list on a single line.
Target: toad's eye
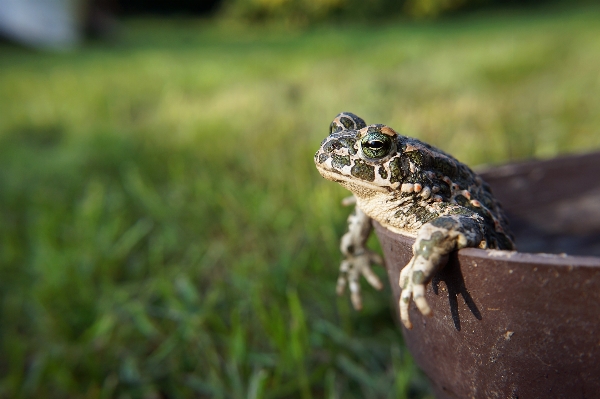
[(376, 145)]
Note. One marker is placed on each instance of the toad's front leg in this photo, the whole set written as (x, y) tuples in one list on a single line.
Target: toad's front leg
[(435, 240), (357, 258)]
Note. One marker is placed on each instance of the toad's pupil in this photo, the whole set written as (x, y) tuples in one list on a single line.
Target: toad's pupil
[(375, 144)]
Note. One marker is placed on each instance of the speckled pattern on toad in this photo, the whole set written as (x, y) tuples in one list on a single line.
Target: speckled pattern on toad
[(411, 188)]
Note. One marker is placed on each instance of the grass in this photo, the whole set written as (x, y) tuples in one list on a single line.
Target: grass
[(163, 231)]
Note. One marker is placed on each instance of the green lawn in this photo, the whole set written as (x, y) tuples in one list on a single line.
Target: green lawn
[(163, 230)]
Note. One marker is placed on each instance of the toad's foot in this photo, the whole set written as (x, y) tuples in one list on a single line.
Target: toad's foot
[(434, 242), (413, 281), (350, 271), (357, 258)]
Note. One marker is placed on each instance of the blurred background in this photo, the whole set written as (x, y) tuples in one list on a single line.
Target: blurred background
[(163, 230)]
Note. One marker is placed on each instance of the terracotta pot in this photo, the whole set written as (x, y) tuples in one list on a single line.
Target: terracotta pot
[(514, 324)]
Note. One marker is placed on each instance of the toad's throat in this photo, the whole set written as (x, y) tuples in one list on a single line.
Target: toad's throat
[(357, 186)]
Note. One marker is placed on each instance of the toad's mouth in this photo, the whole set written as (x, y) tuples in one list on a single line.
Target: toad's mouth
[(347, 181)]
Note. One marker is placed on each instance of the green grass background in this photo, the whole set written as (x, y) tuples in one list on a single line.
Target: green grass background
[(163, 230)]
